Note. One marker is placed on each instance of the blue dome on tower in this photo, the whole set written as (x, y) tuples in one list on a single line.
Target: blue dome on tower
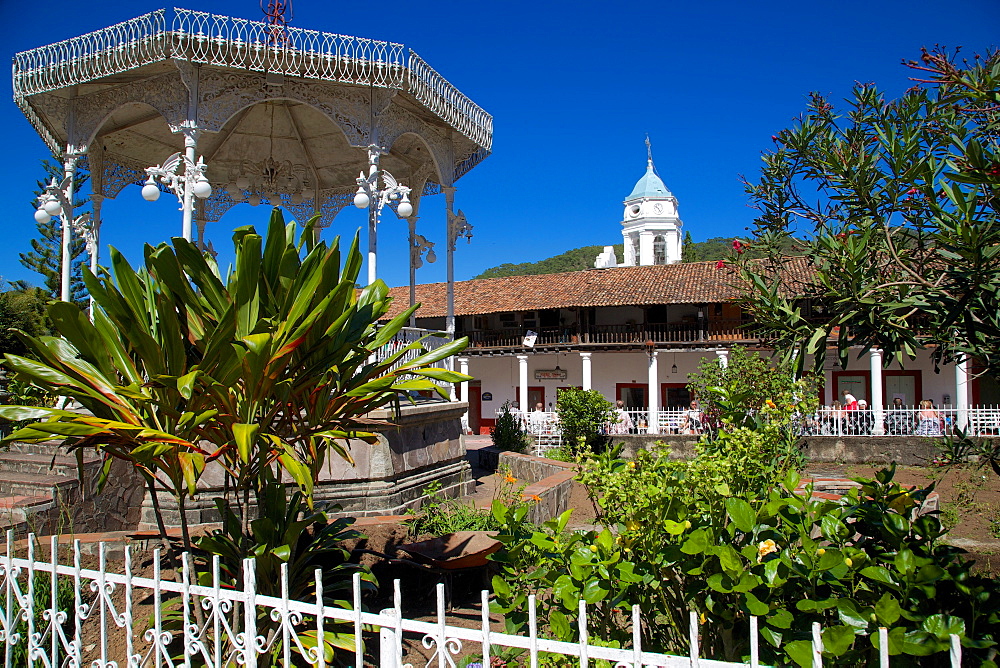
[(649, 186)]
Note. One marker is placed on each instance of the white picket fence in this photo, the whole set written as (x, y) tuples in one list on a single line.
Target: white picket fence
[(224, 629)]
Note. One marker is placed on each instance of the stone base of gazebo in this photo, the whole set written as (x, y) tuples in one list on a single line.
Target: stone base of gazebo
[(423, 445)]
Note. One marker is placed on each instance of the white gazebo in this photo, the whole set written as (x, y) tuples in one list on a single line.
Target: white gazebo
[(265, 112)]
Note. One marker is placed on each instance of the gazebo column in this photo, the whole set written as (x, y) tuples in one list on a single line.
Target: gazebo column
[(463, 367), (69, 171), (654, 399), (373, 167), (191, 133), (411, 223), (962, 393), (522, 374), (875, 401), (94, 239), (585, 359), (449, 203)]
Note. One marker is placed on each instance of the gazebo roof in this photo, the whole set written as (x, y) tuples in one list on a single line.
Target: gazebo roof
[(261, 99)]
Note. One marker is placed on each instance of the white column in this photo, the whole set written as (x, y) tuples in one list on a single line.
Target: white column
[(723, 356), (585, 358), (411, 223), (654, 394), (450, 224), (373, 154), (463, 367), (875, 401), (629, 254), (646, 248), (962, 394), (522, 368), (69, 170), (190, 149), (449, 203), (94, 240)]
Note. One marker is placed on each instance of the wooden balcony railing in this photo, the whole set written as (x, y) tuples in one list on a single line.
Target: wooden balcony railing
[(680, 332)]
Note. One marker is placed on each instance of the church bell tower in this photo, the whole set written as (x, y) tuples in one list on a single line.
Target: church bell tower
[(651, 228)]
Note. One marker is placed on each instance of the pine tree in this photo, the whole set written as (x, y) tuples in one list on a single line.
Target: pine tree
[(687, 249), (45, 256)]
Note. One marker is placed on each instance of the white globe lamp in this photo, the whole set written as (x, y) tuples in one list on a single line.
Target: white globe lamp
[(150, 192), (202, 188), (52, 207), (405, 209)]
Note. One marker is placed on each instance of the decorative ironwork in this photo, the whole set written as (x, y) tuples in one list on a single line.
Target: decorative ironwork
[(199, 37), (457, 110), (274, 14), (192, 179)]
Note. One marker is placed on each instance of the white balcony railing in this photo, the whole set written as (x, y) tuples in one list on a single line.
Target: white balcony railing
[(826, 421)]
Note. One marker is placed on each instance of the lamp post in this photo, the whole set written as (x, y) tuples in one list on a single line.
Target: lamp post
[(55, 201), (192, 183), (373, 197)]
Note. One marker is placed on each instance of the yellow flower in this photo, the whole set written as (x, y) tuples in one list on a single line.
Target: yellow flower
[(770, 404), (821, 552), (535, 498), (765, 548), (631, 465), (509, 478), (632, 525), (701, 618)]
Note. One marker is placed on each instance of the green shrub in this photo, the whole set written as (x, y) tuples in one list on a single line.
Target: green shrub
[(583, 415), (509, 433), (677, 539)]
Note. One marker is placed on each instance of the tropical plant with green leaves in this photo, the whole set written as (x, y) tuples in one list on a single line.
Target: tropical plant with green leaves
[(269, 370)]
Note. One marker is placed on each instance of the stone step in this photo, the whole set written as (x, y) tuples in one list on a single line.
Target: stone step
[(50, 448), (23, 514), (43, 464), (36, 484)]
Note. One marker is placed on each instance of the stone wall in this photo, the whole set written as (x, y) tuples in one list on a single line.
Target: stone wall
[(904, 450), (548, 480), (423, 444)]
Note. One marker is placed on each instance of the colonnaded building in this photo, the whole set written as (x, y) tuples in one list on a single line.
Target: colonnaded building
[(634, 330)]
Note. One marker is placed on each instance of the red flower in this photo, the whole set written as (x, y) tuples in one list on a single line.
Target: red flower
[(737, 246), (911, 191), (721, 264)]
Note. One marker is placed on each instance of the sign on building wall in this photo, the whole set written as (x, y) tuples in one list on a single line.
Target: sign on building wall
[(550, 374), (487, 396)]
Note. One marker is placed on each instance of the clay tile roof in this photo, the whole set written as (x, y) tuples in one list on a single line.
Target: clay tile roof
[(683, 283)]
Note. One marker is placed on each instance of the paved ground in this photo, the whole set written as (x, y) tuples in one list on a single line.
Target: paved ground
[(485, 480)]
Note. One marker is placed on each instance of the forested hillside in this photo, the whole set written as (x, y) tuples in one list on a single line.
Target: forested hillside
[(583, 258)]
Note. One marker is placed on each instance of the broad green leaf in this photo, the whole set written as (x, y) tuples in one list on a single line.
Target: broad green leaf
[(887, 610), (696, 543), (742, 515), (799, 651), (837, 639)]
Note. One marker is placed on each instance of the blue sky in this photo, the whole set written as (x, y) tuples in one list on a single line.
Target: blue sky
[(573, 88)]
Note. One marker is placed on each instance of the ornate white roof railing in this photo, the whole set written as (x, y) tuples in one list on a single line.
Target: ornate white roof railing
[(223, 41)]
